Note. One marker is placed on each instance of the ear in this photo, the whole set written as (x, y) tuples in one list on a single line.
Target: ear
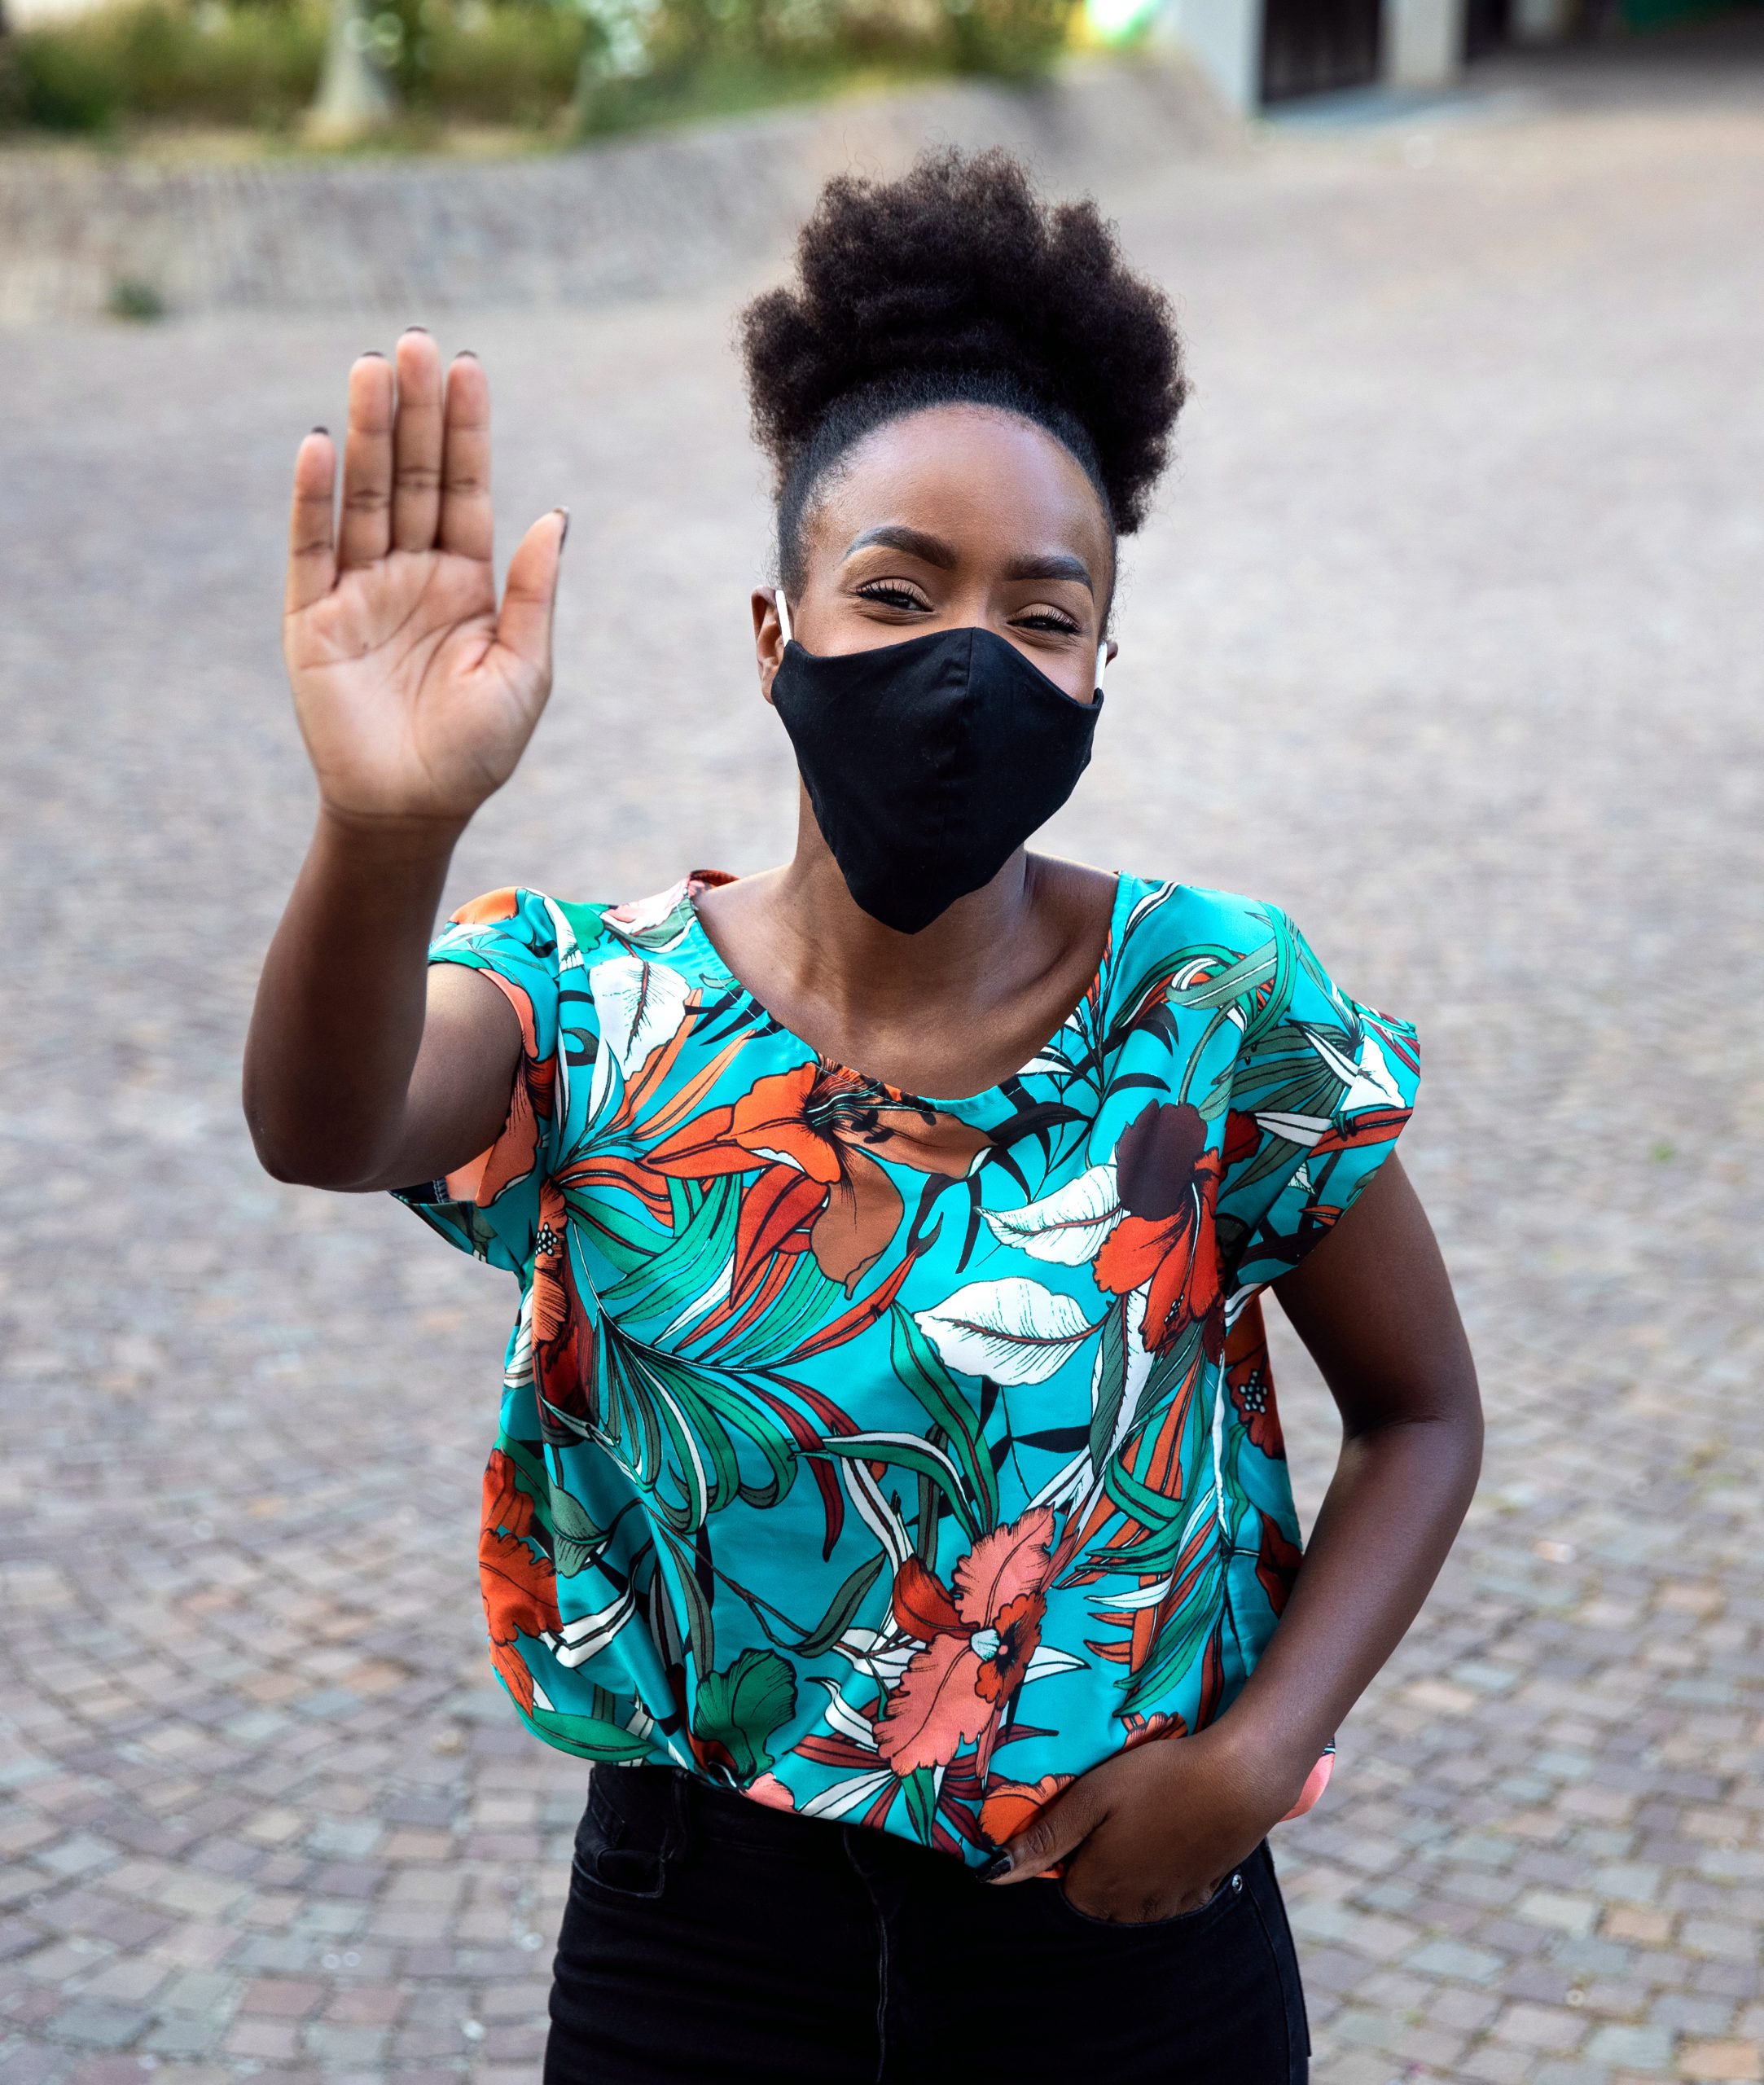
[(1113, 649), (768, 636)]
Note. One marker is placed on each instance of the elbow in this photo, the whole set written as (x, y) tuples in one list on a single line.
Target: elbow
[(300, 1161)]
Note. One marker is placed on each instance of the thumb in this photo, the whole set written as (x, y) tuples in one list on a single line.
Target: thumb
[(1050, 1835), (530, 595)]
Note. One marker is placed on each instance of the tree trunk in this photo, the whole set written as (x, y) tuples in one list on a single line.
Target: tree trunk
[(353, 92)]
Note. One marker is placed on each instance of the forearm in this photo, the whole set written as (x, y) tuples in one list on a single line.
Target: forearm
[(340, 1006), (1389, 1519)]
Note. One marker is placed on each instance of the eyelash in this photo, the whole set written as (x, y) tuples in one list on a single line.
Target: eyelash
[(891, 595)]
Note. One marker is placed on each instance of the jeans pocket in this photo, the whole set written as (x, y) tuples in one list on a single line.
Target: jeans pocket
[(1230, 1892), (615, 1852)]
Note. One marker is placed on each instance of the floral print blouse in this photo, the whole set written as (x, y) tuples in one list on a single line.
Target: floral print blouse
[(891, 1458)]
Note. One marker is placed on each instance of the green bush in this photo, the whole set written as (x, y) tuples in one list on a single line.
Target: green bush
[(243, 64), (511, 65), (616, 63)]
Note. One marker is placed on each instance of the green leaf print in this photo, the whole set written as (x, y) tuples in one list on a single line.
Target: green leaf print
[(740, 1709), (576, 1538), (588, 1737), (921, 1368), (921, 1786), (841, 1608)]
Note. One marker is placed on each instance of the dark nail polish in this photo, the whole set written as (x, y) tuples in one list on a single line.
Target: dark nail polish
[(370, 354), (990, 1869), (324, 431), (465, 354), (564, 537), (416, 329)]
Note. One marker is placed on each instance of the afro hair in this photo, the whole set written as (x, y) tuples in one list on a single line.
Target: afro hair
[(957, 283)]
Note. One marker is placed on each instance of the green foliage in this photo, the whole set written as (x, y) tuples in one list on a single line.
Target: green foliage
[(739, 1708), (248, 64), (505, 64), (566, 65), (133, 299)]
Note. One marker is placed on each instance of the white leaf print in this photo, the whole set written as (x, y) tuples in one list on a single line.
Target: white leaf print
[(1367, 1077), (1128, 1603), (718, 1289), (848, 1721), (1067, 1227), (1293, 1128), (1014, 1331), (847, 1795), (640, 1005), (1047, 1661), (589, 1635)]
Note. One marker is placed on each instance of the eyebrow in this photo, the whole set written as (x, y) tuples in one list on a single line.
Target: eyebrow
[(933, 549)]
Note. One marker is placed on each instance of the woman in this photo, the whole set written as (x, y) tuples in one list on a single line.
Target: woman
[(889, 1496)]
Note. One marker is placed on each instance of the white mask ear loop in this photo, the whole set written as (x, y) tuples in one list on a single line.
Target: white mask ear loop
[(1102, 661), (783, 612)]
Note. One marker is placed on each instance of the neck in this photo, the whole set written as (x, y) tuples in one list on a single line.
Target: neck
[(866, 971)]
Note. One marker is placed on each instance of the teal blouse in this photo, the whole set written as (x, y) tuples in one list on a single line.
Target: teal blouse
[(890, 1457)]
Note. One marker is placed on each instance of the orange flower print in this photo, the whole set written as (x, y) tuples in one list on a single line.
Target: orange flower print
[(1277, 1563), (978, 1641), (1011, 1804), (808, 1132), (1251, 1382), (519, 1588), (1143, 1730), (562, 1340), (1169, 1182)]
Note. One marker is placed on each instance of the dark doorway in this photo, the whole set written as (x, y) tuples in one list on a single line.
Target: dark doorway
[(1487, 25), (1313, 46)]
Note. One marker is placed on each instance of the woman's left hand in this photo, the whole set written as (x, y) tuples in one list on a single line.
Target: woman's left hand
[(1153, 1831)]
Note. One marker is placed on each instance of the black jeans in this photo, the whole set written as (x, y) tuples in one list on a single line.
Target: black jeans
[(708, 1938)]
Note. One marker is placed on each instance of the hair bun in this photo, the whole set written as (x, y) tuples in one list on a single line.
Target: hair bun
[(958, 269)]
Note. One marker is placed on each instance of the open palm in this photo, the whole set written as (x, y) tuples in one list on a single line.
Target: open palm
[(415, 695)]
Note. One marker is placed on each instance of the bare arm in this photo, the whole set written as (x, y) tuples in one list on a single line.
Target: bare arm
[(1150, 1832), (415, 695)]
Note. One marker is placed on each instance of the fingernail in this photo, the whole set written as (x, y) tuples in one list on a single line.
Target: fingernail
[(465, 354), (324, 431), (370, 354), (416, 329), (564, 537), (990, 1869)]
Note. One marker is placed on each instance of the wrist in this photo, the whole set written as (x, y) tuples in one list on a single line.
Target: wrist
[(390, 839), (1271, 1758)]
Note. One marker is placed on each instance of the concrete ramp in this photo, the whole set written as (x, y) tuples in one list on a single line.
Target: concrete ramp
[(632, 217)]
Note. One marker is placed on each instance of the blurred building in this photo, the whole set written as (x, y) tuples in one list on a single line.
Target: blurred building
[(1258, 53)]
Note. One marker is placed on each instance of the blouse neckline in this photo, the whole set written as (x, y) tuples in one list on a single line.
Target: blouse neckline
[(713, 963)]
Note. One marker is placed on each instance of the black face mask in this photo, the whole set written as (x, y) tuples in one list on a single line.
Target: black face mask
[(929, 763)]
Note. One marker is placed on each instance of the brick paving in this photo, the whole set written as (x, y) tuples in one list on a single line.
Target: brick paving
[(1447, 637)]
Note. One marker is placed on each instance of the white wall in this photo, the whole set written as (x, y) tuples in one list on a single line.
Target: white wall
[(1424, 42), (1224, 38)]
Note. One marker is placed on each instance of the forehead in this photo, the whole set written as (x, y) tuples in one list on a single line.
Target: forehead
[(984, 479)]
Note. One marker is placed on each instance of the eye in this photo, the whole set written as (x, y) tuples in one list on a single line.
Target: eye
[(892, 594), (1054, 620)]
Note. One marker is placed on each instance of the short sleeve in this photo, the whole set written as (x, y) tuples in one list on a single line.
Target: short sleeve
[(491, 1206), (1320, 1092)]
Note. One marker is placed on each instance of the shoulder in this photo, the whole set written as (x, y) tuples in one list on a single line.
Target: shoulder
[(1182, 926), (516, 929)]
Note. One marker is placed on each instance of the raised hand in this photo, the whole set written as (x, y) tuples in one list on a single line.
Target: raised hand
[(415, 695)]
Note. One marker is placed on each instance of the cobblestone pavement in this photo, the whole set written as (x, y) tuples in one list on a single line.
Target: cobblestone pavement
[(1447, 637)]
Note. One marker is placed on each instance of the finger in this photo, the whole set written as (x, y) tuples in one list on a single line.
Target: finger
[(465, 501), (529, 598), (367, 464), (312, 556), (1050, 1835), (416, 443)]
